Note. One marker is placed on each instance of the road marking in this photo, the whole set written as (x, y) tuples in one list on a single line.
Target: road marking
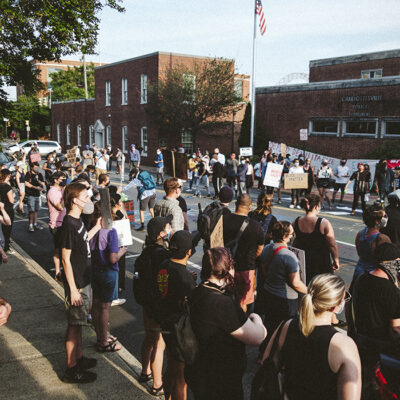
[(27, 220), (345, 243), (132, 255)]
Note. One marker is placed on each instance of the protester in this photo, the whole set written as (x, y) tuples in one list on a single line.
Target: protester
[(155, 251), (174, 283), (103, 181), (87, 156), (249, 176), (319, 362), (384, 180), (48, 167), (32, 153), (87, 174), (7, 197), (20, 181), (192, 171), (101, 161), (184, 208), (315, 236), (134, 157), (361, 180), (296, 169), (56, 214), (241, 176), (392, 228), (110, 157), (169, 205), (231, 172), (218, 171), (220, 156), (105, 254), (222, 329), (34, 186), (203, 172), (309, 169), (75, 253), (369, 238), (160, 167), (324, 175), (341, 178), (250, 243), (119, 156)]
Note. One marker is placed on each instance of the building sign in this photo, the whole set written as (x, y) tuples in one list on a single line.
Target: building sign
[(303, 134), (358, 99), (360, 109)]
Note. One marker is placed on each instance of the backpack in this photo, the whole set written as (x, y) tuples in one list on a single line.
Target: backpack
[(208, 219), (147, 180)]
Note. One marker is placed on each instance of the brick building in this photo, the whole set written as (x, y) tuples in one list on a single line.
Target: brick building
[(117, 115), (350, 106)]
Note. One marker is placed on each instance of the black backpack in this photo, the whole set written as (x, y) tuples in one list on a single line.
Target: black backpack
[(208, 219)]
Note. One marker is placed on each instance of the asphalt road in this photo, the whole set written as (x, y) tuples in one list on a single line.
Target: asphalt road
[(126, 320)]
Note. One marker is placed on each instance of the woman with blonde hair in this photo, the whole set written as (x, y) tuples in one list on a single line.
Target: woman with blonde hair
[(319, 362)]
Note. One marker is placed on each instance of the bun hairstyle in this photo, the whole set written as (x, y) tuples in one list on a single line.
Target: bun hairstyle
[(324, 293), (309, 202), (373, 214)]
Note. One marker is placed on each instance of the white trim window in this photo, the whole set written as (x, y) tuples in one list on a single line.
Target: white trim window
[(143, 89), (144, 140), (108, 93), (391, 128), (68, 129), (79, 135), (187, 141), (125, 139), (124, 91), (108, 135), (371, 73), (324, 126), (91, 135), (58, 133), (367, 127), (189, 88)]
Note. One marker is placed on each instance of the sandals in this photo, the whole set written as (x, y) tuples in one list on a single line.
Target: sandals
[(109, 348), (145, 377), (156, 391)]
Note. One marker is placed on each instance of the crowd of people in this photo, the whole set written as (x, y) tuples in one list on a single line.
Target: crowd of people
[(251, 289)]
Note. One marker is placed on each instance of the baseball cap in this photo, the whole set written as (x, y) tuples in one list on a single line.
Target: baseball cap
[(87, 146), (132, 145), (181, 242), (157, 225), (226, 194)]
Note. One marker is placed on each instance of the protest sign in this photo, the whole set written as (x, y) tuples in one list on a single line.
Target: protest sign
[(301, 256), (123, 228), (296, 181), (273, 175), (105, 208), (130, 210), (217, 235)]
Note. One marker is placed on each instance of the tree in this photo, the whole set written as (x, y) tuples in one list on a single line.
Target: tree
[(69, 84), (45, 30), (197, 99), (389, 149)]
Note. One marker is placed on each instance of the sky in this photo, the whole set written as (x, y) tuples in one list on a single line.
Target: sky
[(297, 31)]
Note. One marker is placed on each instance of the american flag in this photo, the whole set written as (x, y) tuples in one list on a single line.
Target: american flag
[(260, 12)]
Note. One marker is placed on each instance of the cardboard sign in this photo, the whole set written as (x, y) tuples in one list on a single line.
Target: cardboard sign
[(283, 150), (301, 256), (246, 151), (296, 181), (217, 235), (35, 157), (273, 175), (123, 228), (130, 210)]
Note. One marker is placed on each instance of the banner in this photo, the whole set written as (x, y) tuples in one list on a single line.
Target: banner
[(296, 181), (273, 175)]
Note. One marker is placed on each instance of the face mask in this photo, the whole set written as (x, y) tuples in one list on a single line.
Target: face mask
[(296, 164), (36, 169), (193, 156), (243, 162), (343, 163), (90, 193), (51, 159), (63, 182), (88, 208), (325, 165), (158, 152), (341, 309), (383, 222), (108, 184)]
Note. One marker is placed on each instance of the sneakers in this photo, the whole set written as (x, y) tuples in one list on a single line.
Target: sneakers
[(86, 363), (31, 228), (140, 229), (118, 302), (10, 251), (298, 207), (38, 227), (291, 206), (78, 375)]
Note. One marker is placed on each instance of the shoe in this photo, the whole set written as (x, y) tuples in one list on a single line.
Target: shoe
[(279, 201), (31, 228), (298, 207), (10, 251), (189, 190), (86, 363), (118, 302), (140, 229), (353, 212), (291, 206), (145, 377), (77, 375), (38, 227)]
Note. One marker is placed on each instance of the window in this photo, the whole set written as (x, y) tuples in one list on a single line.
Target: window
[(391, 127), (360, 127), (324, 126), (144, 141), (108, 93), (239, 88), (371, 73), (79, 135), (91, 135), (124, 91), (187, 141), (189, 88), (124, 139), (143, 89), (108, 134), (68, 135), (58, 133)]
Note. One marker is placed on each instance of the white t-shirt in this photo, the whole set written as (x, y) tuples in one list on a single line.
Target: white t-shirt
[(249, 169), (342, 174), (102, 162), (296, 170)]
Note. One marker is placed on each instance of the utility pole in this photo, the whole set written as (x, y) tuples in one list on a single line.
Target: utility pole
[(5, 125), (84, 76)]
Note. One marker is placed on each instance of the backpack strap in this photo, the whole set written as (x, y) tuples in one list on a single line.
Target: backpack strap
[(239, 234), (266, 223)]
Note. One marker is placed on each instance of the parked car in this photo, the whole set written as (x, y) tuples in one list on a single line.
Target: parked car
[(8, 160), (45, 147)]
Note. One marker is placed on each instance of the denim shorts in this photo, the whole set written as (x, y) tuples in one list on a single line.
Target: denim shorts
[(34, 203), (105, 284)]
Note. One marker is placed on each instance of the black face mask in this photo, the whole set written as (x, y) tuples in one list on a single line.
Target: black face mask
[(63, 182), (343, 163), (108, 184)]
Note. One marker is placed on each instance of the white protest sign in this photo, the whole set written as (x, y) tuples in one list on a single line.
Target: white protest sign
[(301, 257), (246, 151), (273, 175), (123, 228)]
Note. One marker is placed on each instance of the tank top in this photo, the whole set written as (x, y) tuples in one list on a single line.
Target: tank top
[(21, 176), (318, 259), (307, 371)]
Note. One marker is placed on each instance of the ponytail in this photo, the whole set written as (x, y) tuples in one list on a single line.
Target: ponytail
[(307, 315)]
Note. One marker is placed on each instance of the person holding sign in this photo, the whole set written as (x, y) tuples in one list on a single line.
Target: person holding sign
[(296, 169), (324, 175)]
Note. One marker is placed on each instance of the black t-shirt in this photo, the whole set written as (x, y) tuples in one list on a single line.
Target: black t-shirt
[(74, 237), (174, 283), (33, 179), (214, 316), (252, 237), (377, 302), (4, 189), (392, 228), (182, 203)]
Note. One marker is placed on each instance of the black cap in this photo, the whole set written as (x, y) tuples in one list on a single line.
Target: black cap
[(157, 225), (181, 242), (226, 194)]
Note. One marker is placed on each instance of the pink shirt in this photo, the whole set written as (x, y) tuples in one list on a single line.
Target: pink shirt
[(54, 196)]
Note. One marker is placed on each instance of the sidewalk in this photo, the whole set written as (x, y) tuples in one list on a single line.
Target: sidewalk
[(32, 355)]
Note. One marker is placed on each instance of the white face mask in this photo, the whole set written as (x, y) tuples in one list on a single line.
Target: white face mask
[(90, 193), (383, 222), (296, 164), (158, 152)]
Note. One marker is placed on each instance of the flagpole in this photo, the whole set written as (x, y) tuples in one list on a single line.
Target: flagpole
[(253, 93)]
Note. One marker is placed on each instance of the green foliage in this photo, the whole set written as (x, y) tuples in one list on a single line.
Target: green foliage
[(389, 149), (45, 30), (69, 84), (260, 139), (197, 99), (27, 108)]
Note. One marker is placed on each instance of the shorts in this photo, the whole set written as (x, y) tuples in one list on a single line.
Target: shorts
[(22, 188), (245, 282), (149, 202), (55, 232), (160, 170), (34, 203), (104, 283), (77, 315), (339, 186)]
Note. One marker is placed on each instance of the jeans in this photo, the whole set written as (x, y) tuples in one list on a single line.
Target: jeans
[(195, 182), (355, 200), (296, 196), (242, 188), (199, 181)]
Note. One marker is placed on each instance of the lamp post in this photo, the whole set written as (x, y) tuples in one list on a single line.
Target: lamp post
[(5, 124)]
